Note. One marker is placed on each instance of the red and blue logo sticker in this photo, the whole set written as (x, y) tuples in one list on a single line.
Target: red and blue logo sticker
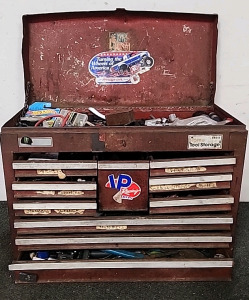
[(127, 188), (120, 67)]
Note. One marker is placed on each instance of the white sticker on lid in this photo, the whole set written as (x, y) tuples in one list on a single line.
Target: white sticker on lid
[(205, 141)]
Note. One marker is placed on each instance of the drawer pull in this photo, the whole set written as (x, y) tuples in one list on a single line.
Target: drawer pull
[(154, 264), (25, 277)]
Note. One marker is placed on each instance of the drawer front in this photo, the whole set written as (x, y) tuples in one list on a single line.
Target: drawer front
[(57, 208), (123, 224), (138, 241), (183, 183), (176, 204), (54, 190), (142, 264), (58, 169), (123, 186), (192, 166), (123, 270)]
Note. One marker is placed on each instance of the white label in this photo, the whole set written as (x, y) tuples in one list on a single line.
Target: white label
[(111, 227), (37, 211), (69, 211), (37, 142), (185, 170), (205, 141)]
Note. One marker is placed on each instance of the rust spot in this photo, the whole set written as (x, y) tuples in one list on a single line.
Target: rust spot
[(102, 137)]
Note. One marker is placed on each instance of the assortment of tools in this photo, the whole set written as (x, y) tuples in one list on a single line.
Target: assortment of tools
[(124, 254), (42, 114), (195, 120)]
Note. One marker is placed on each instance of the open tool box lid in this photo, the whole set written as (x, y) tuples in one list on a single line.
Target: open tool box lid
[(153, 63), (121, 59)]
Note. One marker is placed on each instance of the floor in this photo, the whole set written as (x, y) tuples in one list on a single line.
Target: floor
[(238, 288)]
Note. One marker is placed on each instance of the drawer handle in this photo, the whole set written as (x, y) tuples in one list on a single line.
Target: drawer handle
[(25, 277)]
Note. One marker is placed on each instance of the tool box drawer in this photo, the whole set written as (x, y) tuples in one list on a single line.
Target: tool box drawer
[(176, 265), (112, 241), (58, 169), (58, 208), (193, 166), (123, 224), (162, 184), (173, 204), (123, 186), (54, 190), (81, 271)]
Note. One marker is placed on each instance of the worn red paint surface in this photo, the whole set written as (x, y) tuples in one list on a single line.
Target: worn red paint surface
[(58, 47)]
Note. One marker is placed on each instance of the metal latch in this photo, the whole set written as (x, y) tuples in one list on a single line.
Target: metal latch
[(27, 277)]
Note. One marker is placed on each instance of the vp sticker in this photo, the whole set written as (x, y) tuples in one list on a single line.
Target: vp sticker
[(120, 67), (128, 189)]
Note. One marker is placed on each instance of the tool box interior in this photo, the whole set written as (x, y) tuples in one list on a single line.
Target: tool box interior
[(120, 167)]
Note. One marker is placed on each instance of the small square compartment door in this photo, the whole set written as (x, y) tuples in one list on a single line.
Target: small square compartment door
[(123, 186)]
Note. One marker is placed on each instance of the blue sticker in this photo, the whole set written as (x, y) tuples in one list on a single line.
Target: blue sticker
[(120, 67)]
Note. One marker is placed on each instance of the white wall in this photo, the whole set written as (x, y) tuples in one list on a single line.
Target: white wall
[(232, 91)]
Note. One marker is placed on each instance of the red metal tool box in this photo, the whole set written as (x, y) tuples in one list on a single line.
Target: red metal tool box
[(120, 200)]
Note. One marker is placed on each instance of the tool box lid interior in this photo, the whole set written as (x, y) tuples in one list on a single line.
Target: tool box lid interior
[(121, 59)]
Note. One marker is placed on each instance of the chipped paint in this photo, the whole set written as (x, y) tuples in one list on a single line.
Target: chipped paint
[(167, 73), (59, 56), (82, 83), (186, 29), (79, 62)]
